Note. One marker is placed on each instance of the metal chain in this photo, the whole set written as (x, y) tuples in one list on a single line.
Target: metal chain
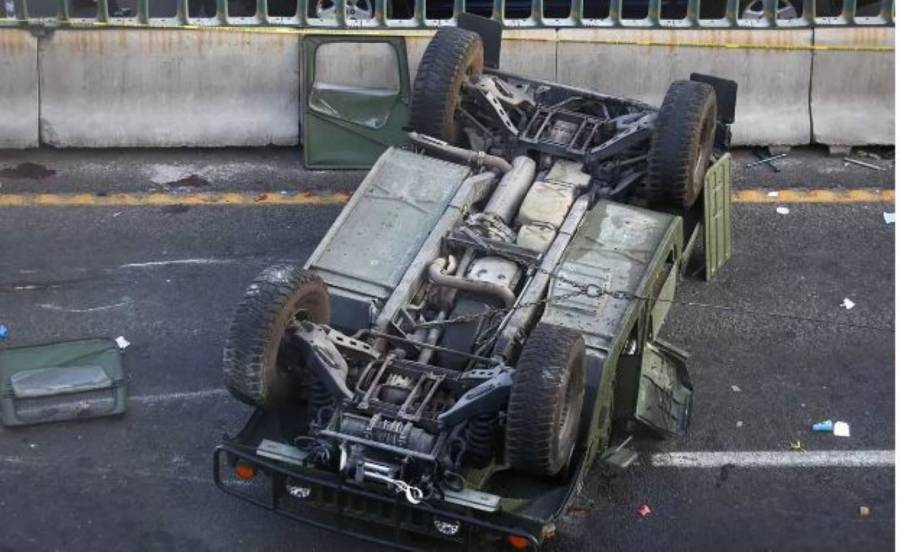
[(595, 291)]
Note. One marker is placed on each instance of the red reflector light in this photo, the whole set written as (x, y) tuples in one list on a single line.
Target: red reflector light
[(517, 542), (244, 472)]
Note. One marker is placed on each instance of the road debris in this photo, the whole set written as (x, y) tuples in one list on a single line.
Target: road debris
[(847, 303), (579, 511), (772, 194), (766, 161), (739, 424), (782, 210), (869, 154), (841, 429), (826, 426), (864, 511), (61, 381), (644, 510), (889, 217), (798, 446), (864, 164), (735, 388), (122, 343)]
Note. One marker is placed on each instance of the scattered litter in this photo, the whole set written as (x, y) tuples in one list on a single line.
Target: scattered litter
[(782, 210), (117, 213), (864, 164), (889, 218), (739, 424), (827, 425), (765, 161), (735, 388), (841, 429), (4, 332), (772, 194), (644, 510), (122, 343), (798, 446), (864, 511), (32, 445), (848, 304)]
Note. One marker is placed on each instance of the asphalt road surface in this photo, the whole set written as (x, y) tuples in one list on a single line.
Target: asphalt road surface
[(167, 276)]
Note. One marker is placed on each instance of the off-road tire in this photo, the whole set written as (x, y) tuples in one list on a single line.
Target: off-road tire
[(545, 401), (453, 55), (254, 362), (681, 145)]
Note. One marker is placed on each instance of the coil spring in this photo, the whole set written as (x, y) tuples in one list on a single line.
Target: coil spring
[(321, 403), (480, 440)]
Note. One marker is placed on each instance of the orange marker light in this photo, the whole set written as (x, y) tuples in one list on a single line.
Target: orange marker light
[(244, 472), (517, 542)]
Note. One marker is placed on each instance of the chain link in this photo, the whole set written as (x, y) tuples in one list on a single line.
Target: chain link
[(594, 291)]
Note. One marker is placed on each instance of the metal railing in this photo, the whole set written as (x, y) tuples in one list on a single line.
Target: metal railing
[(421, 14)]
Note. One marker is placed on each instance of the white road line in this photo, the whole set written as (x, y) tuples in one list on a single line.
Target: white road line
[(150, 264), (181, 396), (776, 459)]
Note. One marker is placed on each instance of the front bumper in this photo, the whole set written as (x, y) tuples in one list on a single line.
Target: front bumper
[(334, 504)]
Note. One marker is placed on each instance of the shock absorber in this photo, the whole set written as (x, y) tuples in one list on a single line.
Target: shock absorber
[(480, 440)]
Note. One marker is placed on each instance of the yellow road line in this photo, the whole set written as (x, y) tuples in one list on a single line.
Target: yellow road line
[(864, 195), (163, 199)]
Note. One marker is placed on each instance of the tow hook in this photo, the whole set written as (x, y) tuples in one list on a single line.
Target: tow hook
[(378, 472)]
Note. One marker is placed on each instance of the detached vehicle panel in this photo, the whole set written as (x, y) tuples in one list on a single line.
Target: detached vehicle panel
[(481, 321)]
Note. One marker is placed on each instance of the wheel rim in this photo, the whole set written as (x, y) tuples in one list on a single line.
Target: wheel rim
[(567, 417), (704, 149)]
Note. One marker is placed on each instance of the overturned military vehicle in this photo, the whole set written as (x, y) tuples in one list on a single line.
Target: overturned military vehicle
[(481, 321)]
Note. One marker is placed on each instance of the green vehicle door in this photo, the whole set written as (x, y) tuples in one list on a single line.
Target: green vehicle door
[(356, 97)]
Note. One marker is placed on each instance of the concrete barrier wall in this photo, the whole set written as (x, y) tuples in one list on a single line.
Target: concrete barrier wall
[(773, 84), (18, 89), (162, 88), (852, 94)]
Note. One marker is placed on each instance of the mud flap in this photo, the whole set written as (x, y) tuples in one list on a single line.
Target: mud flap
[(665, 391)]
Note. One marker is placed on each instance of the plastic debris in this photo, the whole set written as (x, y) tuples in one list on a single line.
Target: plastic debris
[(765, 160), (847, 303), (735, 388), (739, 424), (841, 429), (864, 511), (4, 332), (782, 210), (889, 217), (122, 343), (644, 510), (772, 194), (827, 425), (798, 446)]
